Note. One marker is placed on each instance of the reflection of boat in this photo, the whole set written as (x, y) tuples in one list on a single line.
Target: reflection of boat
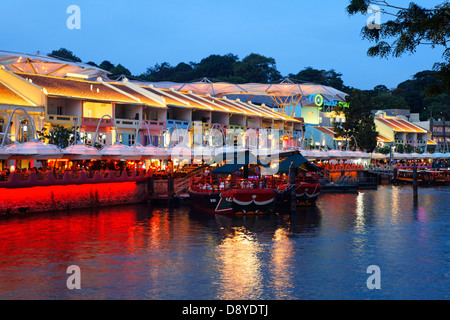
[(255, 195), (430, 177)]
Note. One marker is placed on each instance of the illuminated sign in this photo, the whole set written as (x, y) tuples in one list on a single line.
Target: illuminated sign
[(319, 101)]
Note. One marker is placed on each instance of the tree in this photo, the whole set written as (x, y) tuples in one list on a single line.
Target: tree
[(59, 135), (159, 72), (328, 78), (359, 121), (64, 54), (106, 65), (437, 107), (256, 68), (410, 27), (216, 67), (383, 101), (380, 88), (120, 70)]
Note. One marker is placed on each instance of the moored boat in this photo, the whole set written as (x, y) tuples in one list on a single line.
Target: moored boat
[(425, 177), (232, 196)]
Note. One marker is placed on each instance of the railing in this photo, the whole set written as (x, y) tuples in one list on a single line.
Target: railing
[(210, 184), (343, 167), (95, 121), (61, 119), (50, 178)]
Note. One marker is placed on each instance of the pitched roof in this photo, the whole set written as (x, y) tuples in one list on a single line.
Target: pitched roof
[(171, 100), (9, 97), (400, 125), (141, 97), (381, 138), (329, 131), (74, 88)]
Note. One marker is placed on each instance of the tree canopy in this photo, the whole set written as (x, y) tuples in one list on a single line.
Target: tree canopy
[(359, 121)]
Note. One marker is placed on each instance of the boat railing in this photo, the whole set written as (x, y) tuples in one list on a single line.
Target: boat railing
[(210, 184), (343, 167)]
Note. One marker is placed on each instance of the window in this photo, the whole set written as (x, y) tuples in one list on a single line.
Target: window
[(23, 131), (131, 139), (59, 110)]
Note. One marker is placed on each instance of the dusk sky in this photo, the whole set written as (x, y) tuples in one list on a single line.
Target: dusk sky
[(140, 33)]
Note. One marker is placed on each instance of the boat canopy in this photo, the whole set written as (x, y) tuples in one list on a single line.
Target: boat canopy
[(239, 161), (298, 161)]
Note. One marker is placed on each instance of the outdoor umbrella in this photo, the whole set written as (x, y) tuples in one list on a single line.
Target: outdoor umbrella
[(80, 151), (120, 151), (33, 149)]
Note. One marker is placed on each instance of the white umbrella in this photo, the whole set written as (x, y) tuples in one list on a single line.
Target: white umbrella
[(349, 154), (365, 155), (401, 156), (378, 156), (33, 149), (152, 152), (227, 152), (120, 151), (334, 154), (321, 154), (307, 154), (416, 156), (439, 155), (427, 155), (180, 152), (80, 151), (3, 153)]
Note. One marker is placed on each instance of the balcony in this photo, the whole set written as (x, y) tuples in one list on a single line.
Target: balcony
[(60, 119), (93, 122), (178, 123), (132, 124)]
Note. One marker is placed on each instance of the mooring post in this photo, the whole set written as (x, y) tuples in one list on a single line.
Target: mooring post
[(415, 186), (170, 187), (292, 193), (150, 187)]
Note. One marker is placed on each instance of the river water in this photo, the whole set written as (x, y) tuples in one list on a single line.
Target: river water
[(136, 252)]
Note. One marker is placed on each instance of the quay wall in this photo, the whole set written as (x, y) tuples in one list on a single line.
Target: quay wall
[(19, 201)]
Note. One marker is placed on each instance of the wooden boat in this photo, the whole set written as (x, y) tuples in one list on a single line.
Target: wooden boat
[(307, 190), (255, 195), (424, 177), (232, 196)]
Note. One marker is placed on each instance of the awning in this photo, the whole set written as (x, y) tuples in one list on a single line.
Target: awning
[(299, 162)]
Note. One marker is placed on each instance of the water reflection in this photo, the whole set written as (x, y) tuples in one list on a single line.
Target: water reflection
[(282, 266), (137, 252), (239, 272)]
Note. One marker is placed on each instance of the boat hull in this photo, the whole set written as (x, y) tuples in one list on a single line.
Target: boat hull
[(306, 194), (204, 201), (234, 201), (252, 201)]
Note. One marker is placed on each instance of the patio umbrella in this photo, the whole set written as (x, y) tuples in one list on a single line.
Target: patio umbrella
[(379, 156), (181, 152), (3, 153), (80, 151), (33, 149), (120, 151), (151, 152)]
